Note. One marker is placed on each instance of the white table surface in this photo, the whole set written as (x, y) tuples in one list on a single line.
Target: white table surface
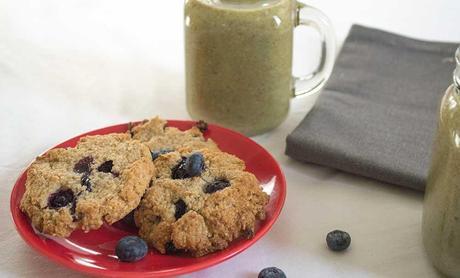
[(71, 66)]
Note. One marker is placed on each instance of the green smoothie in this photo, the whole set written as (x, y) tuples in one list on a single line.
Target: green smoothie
[(441, 214), (239, 62)]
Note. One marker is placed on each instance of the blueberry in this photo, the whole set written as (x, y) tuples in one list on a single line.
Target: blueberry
[(170, 248), (131, 249), (72, 210), (156, 154), (271, 272), (338, 240), (181, 208), (216, 186), (83, 165), (202, 126), (194, 165), (105, 167), (85, 181), (61, 198), (178, 172), (188, 167)]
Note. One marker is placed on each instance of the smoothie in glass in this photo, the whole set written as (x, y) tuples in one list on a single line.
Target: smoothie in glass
[(441, 213), (239, 62)]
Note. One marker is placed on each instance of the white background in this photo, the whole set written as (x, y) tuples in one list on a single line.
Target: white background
[(71, 66)]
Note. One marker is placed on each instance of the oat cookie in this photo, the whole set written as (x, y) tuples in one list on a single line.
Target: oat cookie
[(100, 180), (158, 136), (200, 201)]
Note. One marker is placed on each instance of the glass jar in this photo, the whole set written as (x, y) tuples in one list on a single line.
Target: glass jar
[(238, 60), (441, 213)]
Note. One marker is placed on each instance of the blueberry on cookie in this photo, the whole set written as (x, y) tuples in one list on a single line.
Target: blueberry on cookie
[(189, 167)]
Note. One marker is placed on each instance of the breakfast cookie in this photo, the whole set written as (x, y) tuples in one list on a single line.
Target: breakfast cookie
[(100, 180), (158, 136), (200, 202)]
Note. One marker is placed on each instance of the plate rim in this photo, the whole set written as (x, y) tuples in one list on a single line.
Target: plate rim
[(29, 238)]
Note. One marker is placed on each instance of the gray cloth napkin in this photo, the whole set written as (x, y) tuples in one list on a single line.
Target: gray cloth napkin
[(377, 116)]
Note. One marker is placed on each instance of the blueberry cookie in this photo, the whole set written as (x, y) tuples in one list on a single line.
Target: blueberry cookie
[(200, 201), (100, 180), (158, 136)]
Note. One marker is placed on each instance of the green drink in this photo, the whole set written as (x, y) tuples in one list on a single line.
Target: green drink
[(441, 213), (239, 62)]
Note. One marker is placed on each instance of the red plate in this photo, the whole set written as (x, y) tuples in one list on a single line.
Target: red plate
[(93, 252)]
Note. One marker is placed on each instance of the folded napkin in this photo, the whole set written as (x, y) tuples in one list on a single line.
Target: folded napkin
[(377, 116)]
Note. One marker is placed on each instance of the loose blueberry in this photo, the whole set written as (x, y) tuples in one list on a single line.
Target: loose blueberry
[(216, 186), (202, 126), (271, 272), (156, 154), (338, 240), (181, 208), (85, 181), (83, 165), (170, 248), (131, 249), (61, 198), (194, 165), (178, 172), (105, 167)]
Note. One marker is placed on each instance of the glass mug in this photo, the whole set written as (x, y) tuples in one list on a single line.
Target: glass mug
[(238, 58)]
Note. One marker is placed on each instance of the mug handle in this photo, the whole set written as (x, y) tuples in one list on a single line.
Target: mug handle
[(315, 81)]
